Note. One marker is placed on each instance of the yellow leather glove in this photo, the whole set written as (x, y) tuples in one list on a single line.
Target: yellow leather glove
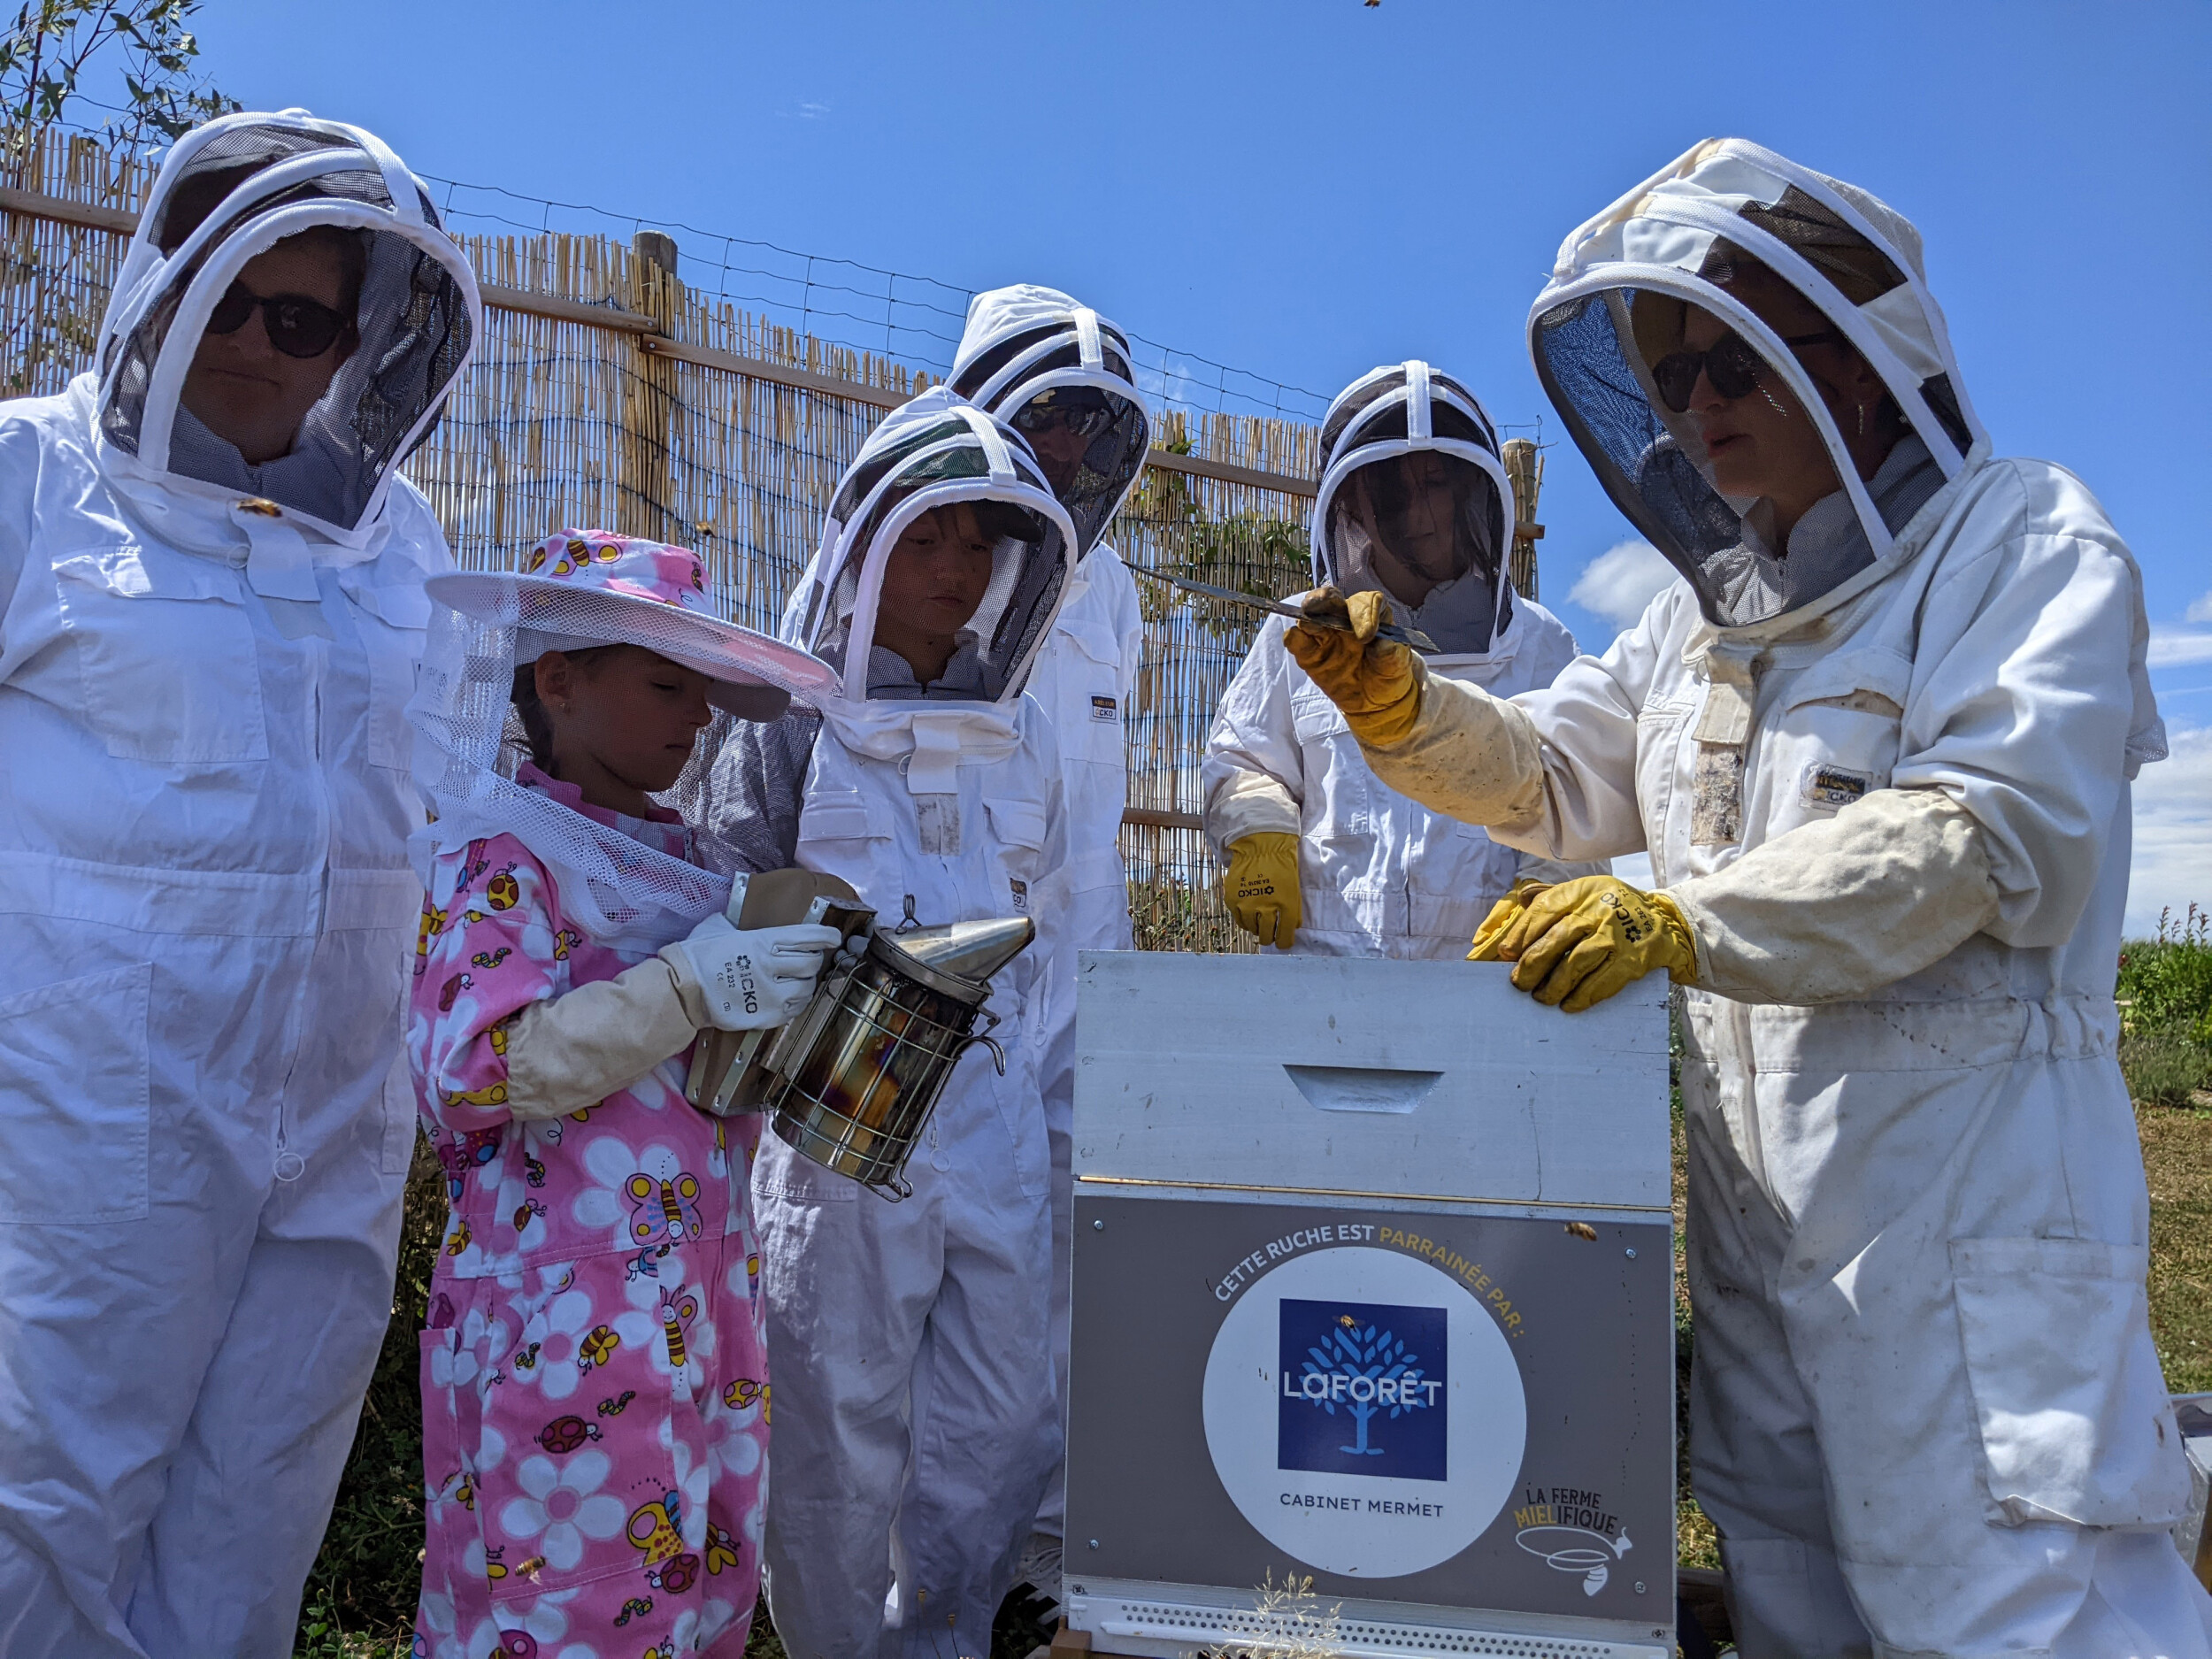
[(1502, 915), (1580, 942), (1374, 681), (1261, 886)]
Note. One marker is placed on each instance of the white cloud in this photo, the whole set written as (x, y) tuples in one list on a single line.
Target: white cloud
[(2173, 852), (1621, 582), (2201, 609), (2177, 648)]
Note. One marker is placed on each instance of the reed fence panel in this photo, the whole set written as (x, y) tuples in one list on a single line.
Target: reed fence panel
[(603, 394)]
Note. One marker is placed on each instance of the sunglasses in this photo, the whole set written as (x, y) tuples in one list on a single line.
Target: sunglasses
[(1085, 419), (1731, 365), (298, 326)]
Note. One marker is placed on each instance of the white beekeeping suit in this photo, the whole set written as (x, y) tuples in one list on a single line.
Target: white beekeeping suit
[(914, 1419), (1878, 742), (1059, 374), (205, 905), (1380, 874)]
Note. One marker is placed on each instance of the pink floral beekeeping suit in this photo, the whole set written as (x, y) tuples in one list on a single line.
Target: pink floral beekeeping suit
[(594, 1379)]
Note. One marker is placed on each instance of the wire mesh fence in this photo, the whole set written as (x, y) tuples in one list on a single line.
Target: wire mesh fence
[(609, 391)]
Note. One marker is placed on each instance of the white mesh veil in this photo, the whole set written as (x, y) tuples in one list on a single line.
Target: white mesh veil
[(252, 182), (626, 895), (1413, 491)]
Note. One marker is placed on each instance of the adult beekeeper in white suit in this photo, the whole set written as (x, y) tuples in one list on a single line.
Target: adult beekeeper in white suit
[(212, 576), (1059, 374), (914, 1418), (1877, 740), (1317, 854)]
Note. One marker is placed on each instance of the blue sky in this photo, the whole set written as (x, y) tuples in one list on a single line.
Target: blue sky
[(1307, 188)]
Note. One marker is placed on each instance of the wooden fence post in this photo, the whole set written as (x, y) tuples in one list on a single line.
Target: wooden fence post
[(1525, 465), (648, 475)]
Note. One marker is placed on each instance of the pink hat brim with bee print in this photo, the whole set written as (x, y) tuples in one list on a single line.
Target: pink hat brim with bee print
[(579, 589)]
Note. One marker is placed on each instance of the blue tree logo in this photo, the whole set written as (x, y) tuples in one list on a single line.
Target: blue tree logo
[(1362, 1366)]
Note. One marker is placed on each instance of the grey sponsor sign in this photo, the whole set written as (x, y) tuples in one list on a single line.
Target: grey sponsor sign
[(1455, 1410)]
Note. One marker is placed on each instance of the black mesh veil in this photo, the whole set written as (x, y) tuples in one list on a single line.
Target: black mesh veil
[(1413, 503), (933, 454), (1060, 374), (233, 191)]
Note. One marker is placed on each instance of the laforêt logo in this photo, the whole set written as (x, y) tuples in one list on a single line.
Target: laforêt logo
[(1364, 1389)]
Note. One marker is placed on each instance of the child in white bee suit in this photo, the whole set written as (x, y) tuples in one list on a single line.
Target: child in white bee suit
[(1319, 854), (595, 1389), (915, 1418), (1059, 374)]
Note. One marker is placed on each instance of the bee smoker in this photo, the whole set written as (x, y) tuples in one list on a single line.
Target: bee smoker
[(852, 1080), (728, 1068)]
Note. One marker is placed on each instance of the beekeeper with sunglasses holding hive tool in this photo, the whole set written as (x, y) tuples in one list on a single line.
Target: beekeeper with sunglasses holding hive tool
[(211, 610), (1317, 856), (1877, 740)]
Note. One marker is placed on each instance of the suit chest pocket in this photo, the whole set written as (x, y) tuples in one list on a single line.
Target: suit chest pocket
[(171, 671), (1018, 827), (1090, 721), (391, 619), (1837, 737), (839, 835)]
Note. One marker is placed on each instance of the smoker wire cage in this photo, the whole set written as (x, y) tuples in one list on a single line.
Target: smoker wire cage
[(867, 1061)]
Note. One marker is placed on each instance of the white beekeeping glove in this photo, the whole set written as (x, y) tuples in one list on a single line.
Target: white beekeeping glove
[(748, 979)]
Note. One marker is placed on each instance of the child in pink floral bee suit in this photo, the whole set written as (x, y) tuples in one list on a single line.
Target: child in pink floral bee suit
[(594, 1385)]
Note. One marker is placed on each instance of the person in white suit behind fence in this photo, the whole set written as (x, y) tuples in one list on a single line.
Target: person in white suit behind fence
[(908, 1342), (1060, 375), (212, 610), (1318, 855)]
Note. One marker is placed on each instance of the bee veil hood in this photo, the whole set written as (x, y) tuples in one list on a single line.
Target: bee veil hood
[(1617, 292), (227, 192)]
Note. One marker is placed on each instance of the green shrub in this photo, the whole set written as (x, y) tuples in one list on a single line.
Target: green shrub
[(2165, 995), (2164, 1068)]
